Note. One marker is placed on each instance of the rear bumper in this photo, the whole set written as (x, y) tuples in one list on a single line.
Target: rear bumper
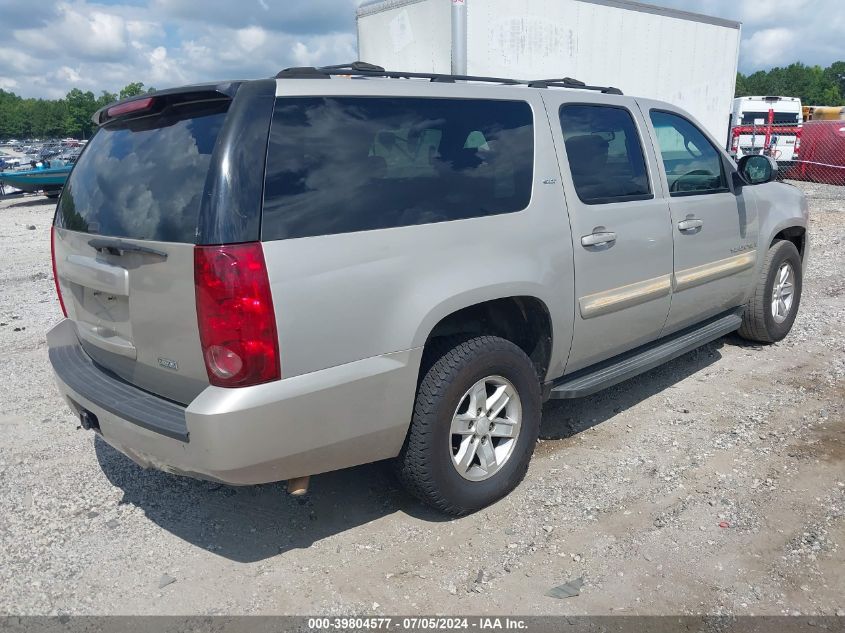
[(326, 420), (80, 375)]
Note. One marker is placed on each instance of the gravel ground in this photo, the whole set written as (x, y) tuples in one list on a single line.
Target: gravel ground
[(714, 484)]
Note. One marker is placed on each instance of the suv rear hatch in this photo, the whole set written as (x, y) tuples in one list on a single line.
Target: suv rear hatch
[(155, 181)]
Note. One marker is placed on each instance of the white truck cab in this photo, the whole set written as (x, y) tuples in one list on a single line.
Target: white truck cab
[(766, 125)]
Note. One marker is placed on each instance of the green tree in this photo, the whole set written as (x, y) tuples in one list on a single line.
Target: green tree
[(106, 98), (10, 111), (80, 107), (814, 85), (132, 90), (71, 116), (835, 73), (741, 89)]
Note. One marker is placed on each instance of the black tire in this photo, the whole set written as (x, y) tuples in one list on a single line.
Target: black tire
[(450, 368), (758, 323)]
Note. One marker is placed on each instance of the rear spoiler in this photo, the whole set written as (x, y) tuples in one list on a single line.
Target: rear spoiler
[(161, 98)]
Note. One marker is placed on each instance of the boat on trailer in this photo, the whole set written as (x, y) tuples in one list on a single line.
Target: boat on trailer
[(50, 179)]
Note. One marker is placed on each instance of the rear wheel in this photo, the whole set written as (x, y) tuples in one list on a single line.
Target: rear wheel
[(475, 424), (772, 308)]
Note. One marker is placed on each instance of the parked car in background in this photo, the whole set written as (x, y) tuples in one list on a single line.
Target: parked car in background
[(264, 280)]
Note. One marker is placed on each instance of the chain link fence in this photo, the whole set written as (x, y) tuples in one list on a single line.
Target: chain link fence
[(822, 156), (813, 151)]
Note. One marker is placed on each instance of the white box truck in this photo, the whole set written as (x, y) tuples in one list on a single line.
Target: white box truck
[(646, 51)]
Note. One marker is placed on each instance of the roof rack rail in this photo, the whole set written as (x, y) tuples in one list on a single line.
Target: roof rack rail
[(568, 82), (542, 83), (363, 69), (356, 67)]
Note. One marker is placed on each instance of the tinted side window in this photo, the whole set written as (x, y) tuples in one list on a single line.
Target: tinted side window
[(344, 164), (605, 155), (693, 165)]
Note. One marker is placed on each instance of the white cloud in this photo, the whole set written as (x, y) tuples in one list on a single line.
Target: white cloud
[(18, 60), (56, 45), (779, 32), (68, 74), (251, 38), (142, 30), (87, 33), (309, 17), (325, 50), (769, 47), (164, 70), (778, 11), (258, 52)]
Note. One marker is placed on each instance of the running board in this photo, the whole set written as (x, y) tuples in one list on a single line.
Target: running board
[(631, 364)]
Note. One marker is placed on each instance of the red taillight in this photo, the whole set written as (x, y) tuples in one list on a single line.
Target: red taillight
[(130, 106), (237, 323), (55, 275)]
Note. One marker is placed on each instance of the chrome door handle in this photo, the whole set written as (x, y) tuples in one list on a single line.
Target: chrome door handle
[(598, 238), (690, 224)]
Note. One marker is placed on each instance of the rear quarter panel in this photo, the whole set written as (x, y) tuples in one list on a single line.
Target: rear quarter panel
[(346, 297)]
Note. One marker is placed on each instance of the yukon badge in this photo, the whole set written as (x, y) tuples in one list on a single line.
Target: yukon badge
[(168, 364), (744, 247)]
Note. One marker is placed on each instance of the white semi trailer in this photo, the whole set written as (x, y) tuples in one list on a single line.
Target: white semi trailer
[(647, 51)]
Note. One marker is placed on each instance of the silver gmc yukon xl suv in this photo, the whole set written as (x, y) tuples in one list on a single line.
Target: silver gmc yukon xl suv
[(264, 280)]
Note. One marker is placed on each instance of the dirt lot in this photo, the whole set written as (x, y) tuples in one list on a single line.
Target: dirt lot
[(627, 491)]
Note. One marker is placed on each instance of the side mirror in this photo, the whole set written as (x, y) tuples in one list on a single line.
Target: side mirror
[(756, 169)]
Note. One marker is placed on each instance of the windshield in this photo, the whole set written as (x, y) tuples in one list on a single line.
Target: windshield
[(144, 178)]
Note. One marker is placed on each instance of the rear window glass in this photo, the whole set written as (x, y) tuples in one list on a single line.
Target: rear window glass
[(344, 164), (779, 118), (605, 155), (144, 178)]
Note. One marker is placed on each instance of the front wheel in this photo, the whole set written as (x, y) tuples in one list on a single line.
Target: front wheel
[(773, 306), (475, 424)]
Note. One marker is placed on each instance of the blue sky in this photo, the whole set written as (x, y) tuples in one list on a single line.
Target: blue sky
[(50, 46)]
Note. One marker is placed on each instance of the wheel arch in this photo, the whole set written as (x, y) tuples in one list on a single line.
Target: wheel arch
[(783, 215), (795, 234), (523, 318)]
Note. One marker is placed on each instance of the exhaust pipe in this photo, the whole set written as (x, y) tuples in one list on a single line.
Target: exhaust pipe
[(298, 486), (88, 421)]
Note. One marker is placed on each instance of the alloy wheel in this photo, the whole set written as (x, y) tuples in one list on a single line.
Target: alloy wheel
[(485, 428)]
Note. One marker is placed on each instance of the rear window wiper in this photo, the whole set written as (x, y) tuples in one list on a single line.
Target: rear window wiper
[(119, 247)]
